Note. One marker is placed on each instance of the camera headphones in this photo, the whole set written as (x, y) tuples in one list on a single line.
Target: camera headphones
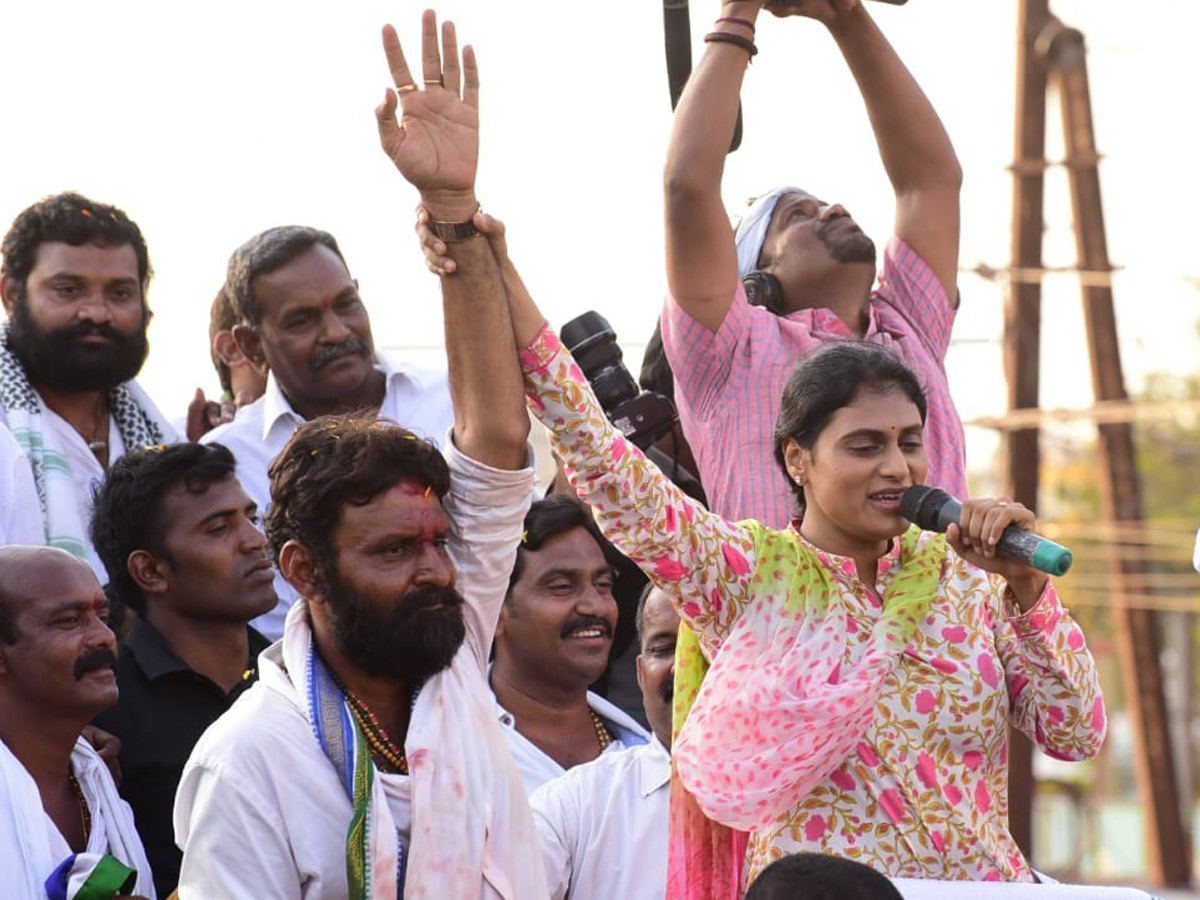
[(763, 289)]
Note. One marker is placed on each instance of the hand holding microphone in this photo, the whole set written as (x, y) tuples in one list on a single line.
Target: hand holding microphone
[(995, 535)]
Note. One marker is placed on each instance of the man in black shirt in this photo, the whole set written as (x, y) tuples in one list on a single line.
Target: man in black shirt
[(181, 543)]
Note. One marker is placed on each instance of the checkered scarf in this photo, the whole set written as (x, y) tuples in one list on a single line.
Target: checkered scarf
[(137, 421)]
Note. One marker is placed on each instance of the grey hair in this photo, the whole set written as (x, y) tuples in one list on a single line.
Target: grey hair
[(264, 253)]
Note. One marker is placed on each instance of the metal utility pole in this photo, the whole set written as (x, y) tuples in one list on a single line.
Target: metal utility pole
[(1022, 341), (1167, 843)]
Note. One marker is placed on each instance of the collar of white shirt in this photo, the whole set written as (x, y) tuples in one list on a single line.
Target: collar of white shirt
[(275, 405), (654, 766)]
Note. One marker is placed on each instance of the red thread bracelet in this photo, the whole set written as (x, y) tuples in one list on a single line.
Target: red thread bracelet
[(737, 20)]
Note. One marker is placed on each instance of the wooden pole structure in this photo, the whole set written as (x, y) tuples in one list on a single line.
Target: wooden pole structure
[(1138, 637), (1022, 345)]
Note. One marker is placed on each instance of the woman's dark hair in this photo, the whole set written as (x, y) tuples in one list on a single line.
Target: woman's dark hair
[(812, 876), (831, 378)]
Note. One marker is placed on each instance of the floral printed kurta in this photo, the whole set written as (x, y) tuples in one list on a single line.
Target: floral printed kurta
[(922, 792)]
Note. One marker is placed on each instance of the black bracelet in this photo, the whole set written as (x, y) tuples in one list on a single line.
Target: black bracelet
[(729, 37)]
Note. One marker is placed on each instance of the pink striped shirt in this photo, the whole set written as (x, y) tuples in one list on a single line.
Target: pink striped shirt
[(728, 384)]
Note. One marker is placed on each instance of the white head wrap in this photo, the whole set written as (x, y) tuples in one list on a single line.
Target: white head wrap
[(752, 230)]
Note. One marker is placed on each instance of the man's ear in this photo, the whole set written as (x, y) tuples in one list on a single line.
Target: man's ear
[(641, 673), (9, 292), (148, 571), (503, 617), (225, 346), (797, 460), (296, 565), (250, 344)]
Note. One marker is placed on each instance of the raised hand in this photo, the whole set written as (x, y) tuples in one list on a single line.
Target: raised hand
[(435, 142)]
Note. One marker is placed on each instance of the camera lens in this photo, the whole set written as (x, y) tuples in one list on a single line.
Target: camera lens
[(593, 343)]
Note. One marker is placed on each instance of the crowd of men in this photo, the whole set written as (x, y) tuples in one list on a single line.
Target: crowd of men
[(239, 661)]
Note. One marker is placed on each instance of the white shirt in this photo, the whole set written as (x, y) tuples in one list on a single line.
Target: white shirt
[(86, 471), (604, 826), (20, 511), (261, 812), (537, 767), (415, 398)]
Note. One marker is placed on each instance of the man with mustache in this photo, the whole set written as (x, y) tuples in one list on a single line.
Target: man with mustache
[(180, 539), (553, 640), (745, 308), (305, 328), (60, 815), (368, 760), (73, 284), (604, 824)]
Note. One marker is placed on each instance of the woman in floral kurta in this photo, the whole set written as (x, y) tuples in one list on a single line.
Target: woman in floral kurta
[(867, 720)]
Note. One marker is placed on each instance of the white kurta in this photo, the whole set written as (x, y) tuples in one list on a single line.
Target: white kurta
[(604, 826), (261, 812)]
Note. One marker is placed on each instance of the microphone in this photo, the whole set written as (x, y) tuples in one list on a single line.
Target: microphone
[(932, 509)]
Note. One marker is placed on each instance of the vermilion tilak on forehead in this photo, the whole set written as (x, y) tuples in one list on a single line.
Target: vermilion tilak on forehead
[(414, 489)]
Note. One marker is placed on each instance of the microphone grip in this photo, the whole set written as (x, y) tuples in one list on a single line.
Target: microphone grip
[(1035, 551)]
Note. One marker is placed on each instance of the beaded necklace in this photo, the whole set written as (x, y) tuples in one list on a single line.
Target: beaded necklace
[(388, 757), (603, 735), (85, 814)]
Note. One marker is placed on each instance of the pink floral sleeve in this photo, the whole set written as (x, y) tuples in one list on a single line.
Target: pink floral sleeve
[(1053, 688), (702, 560)]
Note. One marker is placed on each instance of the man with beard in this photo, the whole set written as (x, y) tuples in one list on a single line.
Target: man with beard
[(60, 816), (368, 760), (604, 824), (183, 549), (553, 640), (73, 283), (807, 265), (303, 322)]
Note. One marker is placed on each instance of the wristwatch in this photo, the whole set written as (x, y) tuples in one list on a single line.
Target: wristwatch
[(455, 232)]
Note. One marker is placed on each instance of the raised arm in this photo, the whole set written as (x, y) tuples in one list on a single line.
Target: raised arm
[(701, 258), (913, 144), (704, 562), (435, 145)]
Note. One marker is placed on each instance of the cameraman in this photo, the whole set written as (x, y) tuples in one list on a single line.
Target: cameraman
[(813, 265)]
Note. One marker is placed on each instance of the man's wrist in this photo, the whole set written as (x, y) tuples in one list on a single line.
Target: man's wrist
[(450, 206)]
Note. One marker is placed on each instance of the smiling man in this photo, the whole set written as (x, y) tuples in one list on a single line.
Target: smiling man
[(604, 825), (553, 640), (181, 542), (304, 322), (59, 809), (74, 283)]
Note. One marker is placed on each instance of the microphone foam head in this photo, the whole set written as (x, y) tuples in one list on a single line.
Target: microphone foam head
[(920, 504)]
